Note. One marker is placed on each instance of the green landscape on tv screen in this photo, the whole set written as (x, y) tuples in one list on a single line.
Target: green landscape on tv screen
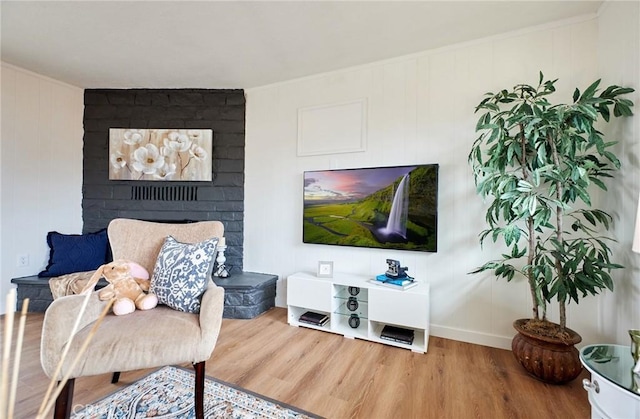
[(383, 207)]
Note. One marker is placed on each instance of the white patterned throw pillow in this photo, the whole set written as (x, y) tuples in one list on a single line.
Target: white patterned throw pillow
[(182, 273)]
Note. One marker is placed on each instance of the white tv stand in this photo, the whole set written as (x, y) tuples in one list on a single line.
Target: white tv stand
[(377, 306)]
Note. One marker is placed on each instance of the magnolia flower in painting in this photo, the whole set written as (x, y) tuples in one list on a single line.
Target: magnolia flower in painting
[(147, 159), (117, 160), (166, 172), (165, 151), (177, 142), (197, 152), (159, 154), (133, 136), (195, 135)]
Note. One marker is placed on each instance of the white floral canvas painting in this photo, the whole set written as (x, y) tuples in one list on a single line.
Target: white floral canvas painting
[(160, 154)]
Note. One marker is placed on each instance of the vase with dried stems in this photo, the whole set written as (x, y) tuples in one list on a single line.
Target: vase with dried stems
[(8, 389)]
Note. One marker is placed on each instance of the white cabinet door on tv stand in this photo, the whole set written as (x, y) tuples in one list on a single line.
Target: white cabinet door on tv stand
[(376, 306)]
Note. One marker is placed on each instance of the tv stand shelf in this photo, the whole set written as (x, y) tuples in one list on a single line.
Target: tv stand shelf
[(346, 296)]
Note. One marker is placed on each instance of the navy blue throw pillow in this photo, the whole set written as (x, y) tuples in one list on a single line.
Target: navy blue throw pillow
[(75, 252)]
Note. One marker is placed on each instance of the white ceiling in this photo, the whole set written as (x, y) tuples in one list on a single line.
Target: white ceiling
[(243, 44)]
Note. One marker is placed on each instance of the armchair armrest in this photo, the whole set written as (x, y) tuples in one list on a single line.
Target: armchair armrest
[(211, 309), (59, 320)]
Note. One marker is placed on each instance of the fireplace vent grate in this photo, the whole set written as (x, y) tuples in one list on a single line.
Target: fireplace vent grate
[(164, 193)]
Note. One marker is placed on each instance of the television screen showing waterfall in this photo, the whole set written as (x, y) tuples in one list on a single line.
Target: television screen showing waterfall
[(383, 207)]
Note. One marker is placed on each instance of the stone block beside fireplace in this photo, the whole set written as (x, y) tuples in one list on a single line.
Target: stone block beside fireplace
[(248, 294)]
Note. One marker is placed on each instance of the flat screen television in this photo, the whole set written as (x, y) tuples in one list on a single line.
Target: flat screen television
[(379, 207)]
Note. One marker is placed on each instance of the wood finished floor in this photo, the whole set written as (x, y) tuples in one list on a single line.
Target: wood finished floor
[(343, 378)]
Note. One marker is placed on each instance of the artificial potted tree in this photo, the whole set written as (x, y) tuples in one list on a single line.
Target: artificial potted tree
[(538, 163)]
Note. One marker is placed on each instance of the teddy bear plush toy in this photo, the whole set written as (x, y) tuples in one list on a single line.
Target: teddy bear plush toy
[(128, 285)]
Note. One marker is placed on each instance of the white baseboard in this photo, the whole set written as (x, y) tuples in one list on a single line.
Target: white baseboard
[(462, 335), (469, 336)]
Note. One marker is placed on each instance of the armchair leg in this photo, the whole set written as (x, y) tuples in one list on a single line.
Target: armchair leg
[(62, 409), (199, 390), (116, 377)]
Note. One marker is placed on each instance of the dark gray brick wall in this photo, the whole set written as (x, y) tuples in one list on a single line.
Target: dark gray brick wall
[(222, 111)]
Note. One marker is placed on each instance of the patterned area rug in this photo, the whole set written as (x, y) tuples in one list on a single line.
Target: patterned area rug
[(168, 393)]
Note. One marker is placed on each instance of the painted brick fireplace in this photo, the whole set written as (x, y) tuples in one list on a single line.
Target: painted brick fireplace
[(222, 111), (247, 294)]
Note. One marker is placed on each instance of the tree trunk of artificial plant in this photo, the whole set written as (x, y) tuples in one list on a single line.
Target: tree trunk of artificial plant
[(559, 238), (531, 232)]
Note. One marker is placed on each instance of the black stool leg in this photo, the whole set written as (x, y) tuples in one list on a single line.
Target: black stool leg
[(64, 400), (115, 377), (199, 390)]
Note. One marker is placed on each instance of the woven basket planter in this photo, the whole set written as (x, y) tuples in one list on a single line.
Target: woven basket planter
[(548, 359)]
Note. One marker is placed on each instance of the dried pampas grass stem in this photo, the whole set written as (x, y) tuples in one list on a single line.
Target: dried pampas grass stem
[(8, 390), (50, 402), (74, 330), (6, 350), (16, 363)]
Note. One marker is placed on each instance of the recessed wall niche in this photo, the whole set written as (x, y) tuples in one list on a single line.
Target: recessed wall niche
[(332, 128)]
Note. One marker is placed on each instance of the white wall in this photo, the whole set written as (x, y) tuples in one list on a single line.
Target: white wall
[(40, 170), (619, 63), (420, 110)]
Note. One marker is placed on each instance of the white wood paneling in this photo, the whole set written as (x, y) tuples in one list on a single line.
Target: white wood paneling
[(420, 111), (41, 170), (618, 43), (333, 128)]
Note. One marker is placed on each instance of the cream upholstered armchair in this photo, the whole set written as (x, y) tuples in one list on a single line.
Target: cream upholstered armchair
[(143, 339)]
